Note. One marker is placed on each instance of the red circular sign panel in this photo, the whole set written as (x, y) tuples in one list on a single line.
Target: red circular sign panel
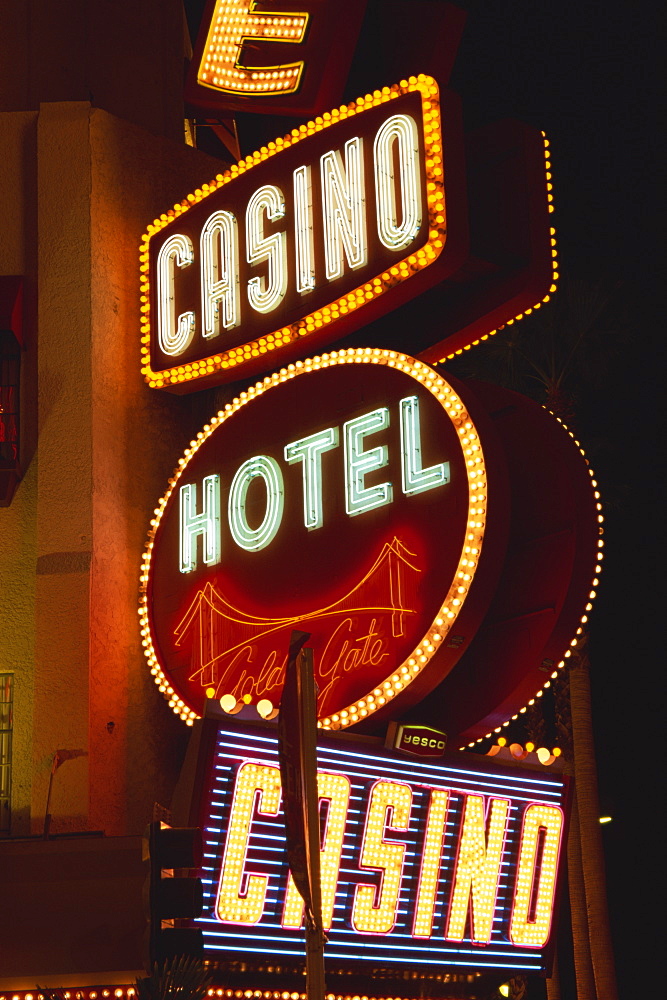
[(345, 497)]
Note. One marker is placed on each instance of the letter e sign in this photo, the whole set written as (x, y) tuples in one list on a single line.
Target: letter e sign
[(286, 57)]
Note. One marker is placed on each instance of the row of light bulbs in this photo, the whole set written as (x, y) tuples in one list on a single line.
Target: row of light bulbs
[(127, 992), (554, 264), (598, 568), (583, 619)]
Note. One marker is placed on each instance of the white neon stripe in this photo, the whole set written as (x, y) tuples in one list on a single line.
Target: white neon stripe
[(221, 300), (415, 478), (432, 768), (358, 463), (267, 292), (259, 467), (344, 208), (207, 524), (396, 233), (303, 230), (174, 333), (309, 451)]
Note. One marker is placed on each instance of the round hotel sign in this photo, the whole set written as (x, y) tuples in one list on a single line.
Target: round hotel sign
[(344, 496)]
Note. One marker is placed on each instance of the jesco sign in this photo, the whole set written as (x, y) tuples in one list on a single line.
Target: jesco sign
[(345, 496)]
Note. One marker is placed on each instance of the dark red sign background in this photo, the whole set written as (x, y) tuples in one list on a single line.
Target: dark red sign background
[(368, 587)]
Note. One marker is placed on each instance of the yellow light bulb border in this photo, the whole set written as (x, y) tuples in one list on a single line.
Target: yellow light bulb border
[(473, 457), (554, 267), (217, 993), (589, 606)]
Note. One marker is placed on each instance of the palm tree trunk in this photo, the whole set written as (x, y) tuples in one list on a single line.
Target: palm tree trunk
[(592, 856), (583, 967)]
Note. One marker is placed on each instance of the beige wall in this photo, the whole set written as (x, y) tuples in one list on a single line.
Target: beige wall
[(66, 563), (86, 185), (18, 523)]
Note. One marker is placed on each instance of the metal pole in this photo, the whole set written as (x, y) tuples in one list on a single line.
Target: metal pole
[(315, 984)]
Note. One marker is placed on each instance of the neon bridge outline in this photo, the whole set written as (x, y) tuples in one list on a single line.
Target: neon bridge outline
[(208, 606)]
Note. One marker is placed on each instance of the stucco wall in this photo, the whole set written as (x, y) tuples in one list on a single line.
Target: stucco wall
[(85, 185), (18, 522), (138, 436), (64, 510)]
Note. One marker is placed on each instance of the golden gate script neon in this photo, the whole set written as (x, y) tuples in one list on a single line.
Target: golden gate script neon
[(360, 634)]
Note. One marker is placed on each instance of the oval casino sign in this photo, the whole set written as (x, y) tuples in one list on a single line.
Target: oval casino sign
[(344, 496)]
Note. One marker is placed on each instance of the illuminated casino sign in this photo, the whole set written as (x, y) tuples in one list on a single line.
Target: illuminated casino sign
[(423, 862), (345, 496), (305, 240)]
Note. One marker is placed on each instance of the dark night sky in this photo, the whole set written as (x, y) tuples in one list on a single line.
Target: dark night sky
[(586, 72)]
